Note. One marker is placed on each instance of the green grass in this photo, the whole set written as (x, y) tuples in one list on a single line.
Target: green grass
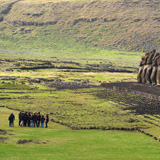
[(92, 45), (14, 86), (90, 77), (66, 47), (81, 108), (64, 143), (83, 38)]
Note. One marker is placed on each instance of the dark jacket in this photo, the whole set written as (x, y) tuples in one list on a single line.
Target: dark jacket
[(42, 119), (38, 117), (11, 118), (46, 119), (22, 117), (34, 118), (25, 117)]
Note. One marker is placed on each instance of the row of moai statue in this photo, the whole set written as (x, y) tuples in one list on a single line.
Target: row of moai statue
[(149, 68)]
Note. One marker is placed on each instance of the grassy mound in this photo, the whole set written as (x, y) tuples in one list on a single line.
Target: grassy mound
[(124, 25)]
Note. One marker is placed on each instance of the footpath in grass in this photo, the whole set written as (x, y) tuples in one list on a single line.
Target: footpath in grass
[(59, 142)]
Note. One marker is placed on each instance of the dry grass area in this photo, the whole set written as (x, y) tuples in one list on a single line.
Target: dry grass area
[(128, 25)]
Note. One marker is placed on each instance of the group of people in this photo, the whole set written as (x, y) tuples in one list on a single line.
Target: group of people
[(30, 120)]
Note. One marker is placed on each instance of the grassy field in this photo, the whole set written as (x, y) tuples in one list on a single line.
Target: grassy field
[(26, 78), (83, 108), (73, 42), (100, 115), (28, 89), (72, 107), (60, 142), (25, 85), (53, 45)]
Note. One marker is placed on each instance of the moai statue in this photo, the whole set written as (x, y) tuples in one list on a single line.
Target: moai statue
[(139, 76), (158, 71), (149, 66), (154, 69), (143, 75)]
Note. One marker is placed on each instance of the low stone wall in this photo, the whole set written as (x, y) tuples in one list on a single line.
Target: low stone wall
[(70, 85), (24, 23), (151, 92)]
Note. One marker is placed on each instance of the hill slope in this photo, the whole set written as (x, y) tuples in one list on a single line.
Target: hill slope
[(131, 25)]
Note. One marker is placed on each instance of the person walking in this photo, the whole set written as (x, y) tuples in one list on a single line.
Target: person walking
[(11, 119), (42, 121), (46, 120)]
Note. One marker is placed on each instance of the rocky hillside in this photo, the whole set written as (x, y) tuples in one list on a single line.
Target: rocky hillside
[(132, 25)]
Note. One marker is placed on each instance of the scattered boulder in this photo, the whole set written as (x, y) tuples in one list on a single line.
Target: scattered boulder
[(24, 141), (2, 139), (155, 138), (3, 131), (32, 23)]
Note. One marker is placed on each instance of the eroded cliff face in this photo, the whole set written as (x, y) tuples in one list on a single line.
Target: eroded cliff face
[(121, 24)]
